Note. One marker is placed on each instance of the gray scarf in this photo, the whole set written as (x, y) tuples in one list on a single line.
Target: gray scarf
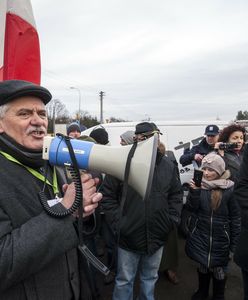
[(222, 183)]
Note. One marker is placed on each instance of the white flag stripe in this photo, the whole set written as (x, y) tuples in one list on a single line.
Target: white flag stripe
[(23, 9), (3, 7)]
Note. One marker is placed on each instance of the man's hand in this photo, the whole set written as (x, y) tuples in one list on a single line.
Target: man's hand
[(90, 196), (198, 157), (216, 147)]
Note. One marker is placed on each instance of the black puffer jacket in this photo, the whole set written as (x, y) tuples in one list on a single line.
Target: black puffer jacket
[(144, 226), (212, 234), (202, 148)]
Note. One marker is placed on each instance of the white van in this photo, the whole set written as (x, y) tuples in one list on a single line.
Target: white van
[(177, 136)]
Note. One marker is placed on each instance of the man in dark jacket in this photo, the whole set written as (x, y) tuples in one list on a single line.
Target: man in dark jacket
[(197, 152), (241, 195), (144, 225), (38, 253)]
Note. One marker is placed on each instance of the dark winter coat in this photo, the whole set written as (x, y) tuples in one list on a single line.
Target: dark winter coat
[(144, 226), (212, 233), (241, 195), (38, 256), (233, 161), (202, 148)]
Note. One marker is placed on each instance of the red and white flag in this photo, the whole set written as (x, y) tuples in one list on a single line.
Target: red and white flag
[(19, 42)]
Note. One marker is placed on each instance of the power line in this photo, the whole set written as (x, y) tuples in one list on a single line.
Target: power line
[(68, 82)]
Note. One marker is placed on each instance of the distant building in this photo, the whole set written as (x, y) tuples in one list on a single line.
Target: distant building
[(60, 128)]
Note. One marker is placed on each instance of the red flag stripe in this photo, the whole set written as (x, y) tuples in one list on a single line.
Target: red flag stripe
[(1, 74), (21, 51)]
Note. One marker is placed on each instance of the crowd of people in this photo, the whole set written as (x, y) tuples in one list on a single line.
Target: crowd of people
[(44, 248)]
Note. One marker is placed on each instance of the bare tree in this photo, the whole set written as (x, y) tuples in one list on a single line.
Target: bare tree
[(56, 111), (57, 108)]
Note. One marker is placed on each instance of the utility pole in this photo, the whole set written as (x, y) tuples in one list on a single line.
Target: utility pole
[(101, 106), (79, 102), (54, 114)]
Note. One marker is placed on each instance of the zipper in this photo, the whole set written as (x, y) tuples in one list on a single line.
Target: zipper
[(194, 226), (227, 234), (210, 238)]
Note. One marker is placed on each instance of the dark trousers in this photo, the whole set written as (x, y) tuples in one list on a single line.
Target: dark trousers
[(110, 243), (245, 283)]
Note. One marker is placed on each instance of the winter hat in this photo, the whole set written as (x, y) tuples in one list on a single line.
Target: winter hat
[(146, 128), (74, 126), (100, 135), (127, 137), (214, 162), (13, 89)]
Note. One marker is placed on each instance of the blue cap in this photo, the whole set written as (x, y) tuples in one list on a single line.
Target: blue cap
[(212, 130)]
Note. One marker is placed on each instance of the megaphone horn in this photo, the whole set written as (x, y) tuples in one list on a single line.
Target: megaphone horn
[(107, 159)]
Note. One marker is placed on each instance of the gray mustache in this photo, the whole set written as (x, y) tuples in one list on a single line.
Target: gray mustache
[(36, 128)]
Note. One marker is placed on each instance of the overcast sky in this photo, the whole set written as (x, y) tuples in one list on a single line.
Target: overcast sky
[(158, 59)]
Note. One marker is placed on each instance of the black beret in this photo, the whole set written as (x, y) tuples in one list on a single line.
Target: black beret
[(13, 89), (146, 127)]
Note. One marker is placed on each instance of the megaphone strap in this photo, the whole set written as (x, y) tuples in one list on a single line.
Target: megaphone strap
[(125, 187)]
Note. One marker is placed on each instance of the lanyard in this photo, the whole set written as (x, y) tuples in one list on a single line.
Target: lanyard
[(35, 173)]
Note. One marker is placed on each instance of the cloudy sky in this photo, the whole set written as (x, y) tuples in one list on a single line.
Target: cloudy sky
[(157, 59)]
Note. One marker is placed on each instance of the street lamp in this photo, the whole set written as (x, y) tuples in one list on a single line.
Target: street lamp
[(79, 101)]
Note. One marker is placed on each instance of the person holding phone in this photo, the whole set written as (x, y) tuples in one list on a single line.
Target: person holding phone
[(214, 227), (231, 147)]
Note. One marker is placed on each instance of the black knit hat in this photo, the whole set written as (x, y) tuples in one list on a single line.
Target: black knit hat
[(13, 89), (100, 135)]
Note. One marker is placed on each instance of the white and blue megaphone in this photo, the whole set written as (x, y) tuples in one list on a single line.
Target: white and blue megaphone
[(107, 159)]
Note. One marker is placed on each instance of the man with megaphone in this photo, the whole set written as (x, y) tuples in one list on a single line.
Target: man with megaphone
[(142, 225), (38, 252)]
